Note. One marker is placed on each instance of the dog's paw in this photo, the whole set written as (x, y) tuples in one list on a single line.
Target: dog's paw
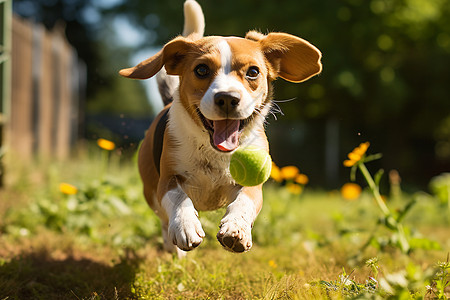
[(185, 229), (235, 234)]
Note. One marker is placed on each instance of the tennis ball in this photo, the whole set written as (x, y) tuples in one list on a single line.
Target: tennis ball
[(250, 166)]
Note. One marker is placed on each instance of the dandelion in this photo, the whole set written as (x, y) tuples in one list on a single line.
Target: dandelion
[(289, 172), (357, 159), (290, 177), (67, 189), (272, 263), (356, 155), (294, 188), (301, 179), (350, 191), (275, 173), (362, 148), (106, 145)]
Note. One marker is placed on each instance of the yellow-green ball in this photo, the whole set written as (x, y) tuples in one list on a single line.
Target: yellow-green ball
[(250, 166)]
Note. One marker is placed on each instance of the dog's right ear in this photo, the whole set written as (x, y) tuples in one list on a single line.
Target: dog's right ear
[(171, 56)]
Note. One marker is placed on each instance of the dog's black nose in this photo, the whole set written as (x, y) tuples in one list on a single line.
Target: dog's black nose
[(227, 101)]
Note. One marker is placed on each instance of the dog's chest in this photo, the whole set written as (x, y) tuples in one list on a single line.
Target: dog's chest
[(206, 178)]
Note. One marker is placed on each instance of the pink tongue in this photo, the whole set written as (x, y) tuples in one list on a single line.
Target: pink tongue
[(226, 134)]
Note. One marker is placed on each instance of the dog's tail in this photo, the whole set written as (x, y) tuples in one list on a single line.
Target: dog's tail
[(194, 21), (194, 28)]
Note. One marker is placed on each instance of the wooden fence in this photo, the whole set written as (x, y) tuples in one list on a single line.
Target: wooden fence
[(46, 83)]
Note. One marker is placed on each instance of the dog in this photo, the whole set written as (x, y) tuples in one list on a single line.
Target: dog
[(217, 92)]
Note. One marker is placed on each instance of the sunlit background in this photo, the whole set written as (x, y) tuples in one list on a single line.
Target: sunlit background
[(385, 79), (73, 220)]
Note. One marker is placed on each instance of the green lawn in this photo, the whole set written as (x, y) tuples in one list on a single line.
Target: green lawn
[(104, 243)]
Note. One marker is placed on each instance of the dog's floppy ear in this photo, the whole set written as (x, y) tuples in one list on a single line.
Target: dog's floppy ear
[(171, 56), (293, 58)]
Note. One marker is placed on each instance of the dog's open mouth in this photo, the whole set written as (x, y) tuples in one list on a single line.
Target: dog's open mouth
[(224, 134)]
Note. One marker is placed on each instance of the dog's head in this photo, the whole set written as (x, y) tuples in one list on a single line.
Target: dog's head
[(224, 81)]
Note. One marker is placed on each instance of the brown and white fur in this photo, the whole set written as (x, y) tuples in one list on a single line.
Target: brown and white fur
[(220, 103)]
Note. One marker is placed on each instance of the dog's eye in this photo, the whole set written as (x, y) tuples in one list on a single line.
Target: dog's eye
[(252, 73), (201, 71)]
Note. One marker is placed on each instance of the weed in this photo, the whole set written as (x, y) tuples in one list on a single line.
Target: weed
[(348, 287), (440, 186), (441, 280), (88, 234), (400, 237)]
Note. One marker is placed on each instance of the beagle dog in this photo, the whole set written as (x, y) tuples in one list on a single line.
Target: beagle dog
[(218, 94)]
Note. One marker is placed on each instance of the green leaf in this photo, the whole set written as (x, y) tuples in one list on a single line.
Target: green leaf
[(377, 177), (353, 172), (373, 157), (405, 210), (120, 205), (440, 187), (424, 243)]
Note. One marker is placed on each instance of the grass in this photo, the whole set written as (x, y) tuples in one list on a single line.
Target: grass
[(104, 243)]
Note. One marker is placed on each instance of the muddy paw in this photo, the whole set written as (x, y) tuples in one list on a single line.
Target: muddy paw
[(235, 235)]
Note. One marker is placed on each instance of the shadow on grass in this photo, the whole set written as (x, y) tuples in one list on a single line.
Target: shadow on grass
[(38, 276)]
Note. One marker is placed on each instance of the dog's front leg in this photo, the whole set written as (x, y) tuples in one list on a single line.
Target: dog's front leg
[(235, 228), (185, 229)]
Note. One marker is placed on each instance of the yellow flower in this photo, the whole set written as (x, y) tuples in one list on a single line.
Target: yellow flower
[(349, 163), (362, 148), (294, 188), (272, 263), (67, 189), (356, 154), (275, 173), (105, 144), (350, 191), (289, 172), (301, 179)]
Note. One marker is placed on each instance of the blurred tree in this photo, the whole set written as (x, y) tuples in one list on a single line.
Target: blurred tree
[(385, 79)]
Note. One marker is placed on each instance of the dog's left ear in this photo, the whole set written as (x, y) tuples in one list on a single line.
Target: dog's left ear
[(171, 56), (293, 58)]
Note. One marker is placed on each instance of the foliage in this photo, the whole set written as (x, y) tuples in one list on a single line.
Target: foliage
[(441, 280), (385, 71), (440, 186), (385, 68), (90, 235), (349, 287), (87, 213), (410, 283), (88, 209), (400, 237)]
